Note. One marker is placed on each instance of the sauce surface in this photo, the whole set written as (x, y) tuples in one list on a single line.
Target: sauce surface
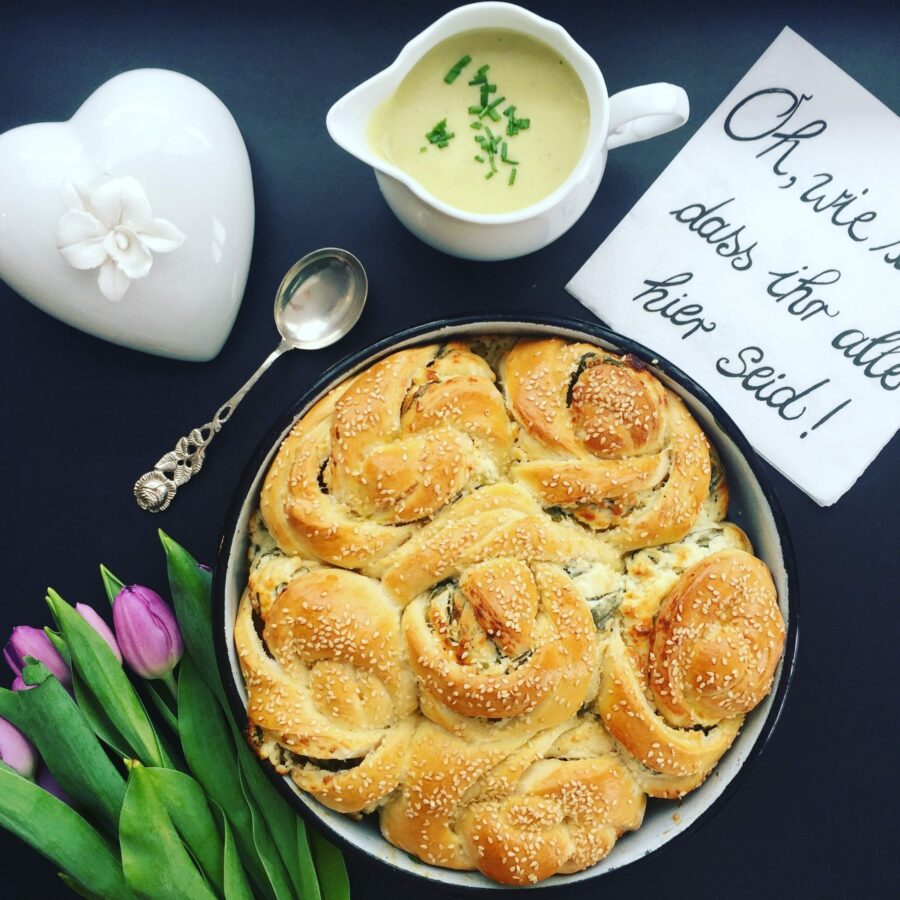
[(544, 91)]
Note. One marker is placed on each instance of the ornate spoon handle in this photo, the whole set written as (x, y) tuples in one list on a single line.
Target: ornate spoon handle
[(156, 489)]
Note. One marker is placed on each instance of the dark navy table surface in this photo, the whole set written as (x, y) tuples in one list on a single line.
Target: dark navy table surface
[(81, 418)]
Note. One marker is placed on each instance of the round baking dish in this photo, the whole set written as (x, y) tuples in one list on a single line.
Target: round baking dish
[(753, 506)]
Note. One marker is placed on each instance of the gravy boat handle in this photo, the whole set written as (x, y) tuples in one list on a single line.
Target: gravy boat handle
[(645, 112)]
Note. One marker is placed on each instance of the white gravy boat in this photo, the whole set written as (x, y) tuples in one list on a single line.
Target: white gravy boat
[(631, 115)]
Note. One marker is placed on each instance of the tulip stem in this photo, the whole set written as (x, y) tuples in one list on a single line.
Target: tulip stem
[(169, 680)]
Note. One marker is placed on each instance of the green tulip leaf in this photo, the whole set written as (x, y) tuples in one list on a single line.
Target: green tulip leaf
[(186, 805), (63, 737), (283, 822), (209, 751), (34, 672), (103, 675), (190, 587), (161, 703), (61, 647), (75, 887), (96, 717), (309, 882), (61, 834), (266, 849), (11, 709), (111, 583), (235, 879), (156, 864), (330, 867)]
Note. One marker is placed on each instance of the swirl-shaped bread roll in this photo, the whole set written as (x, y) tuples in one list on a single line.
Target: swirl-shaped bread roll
[(603, 440), (716, 641), (328, 680), (388, 449), (507, 642), (719, 636), (493, 598), (519, 811)]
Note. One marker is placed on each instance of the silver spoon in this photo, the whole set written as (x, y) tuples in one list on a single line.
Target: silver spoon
[(318, 301)]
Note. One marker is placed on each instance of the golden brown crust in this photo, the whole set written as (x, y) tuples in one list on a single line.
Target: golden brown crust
[(501, 609), (509, 642), (389, 448), (328, 679), (515, 810), (719, 636), (603, 439), (684, 755)]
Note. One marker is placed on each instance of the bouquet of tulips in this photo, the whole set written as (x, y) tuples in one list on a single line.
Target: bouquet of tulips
[(128, 804)]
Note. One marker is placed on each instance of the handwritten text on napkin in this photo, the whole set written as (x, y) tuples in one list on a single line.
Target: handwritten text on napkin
[(765, 262)]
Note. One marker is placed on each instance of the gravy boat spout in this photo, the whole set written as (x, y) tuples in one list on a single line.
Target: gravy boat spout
[(633, 115)]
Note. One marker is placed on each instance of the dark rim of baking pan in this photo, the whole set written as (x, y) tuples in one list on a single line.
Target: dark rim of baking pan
[(222, 637)]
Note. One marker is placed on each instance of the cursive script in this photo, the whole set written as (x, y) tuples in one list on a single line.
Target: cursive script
[(658, 299)]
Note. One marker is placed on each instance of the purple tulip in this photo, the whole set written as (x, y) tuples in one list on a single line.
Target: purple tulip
[(27, 641), (16, 751), (46, 780), (92, 617), (147, 632)]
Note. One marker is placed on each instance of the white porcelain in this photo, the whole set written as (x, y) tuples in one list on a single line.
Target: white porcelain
[(632, 115), (132, 221)]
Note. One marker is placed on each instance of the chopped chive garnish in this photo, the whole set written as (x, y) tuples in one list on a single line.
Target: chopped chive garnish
[(422, 149), (504, 157), (490, 145), (455, 70), (439, 135), (491, 110)]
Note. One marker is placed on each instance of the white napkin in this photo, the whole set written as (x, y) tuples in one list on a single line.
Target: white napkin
[(765, 262)]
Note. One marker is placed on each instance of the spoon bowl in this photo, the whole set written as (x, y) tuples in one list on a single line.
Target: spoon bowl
[(320, 298)]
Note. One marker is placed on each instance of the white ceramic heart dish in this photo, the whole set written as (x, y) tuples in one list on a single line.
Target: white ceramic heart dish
[(133, 221)]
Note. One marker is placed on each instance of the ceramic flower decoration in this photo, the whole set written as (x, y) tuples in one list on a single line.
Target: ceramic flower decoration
[(112, 228)]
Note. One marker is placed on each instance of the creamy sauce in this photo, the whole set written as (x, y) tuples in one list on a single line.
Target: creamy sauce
[(529, 75)]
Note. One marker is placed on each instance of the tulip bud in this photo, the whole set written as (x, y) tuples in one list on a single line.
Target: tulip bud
[(16, 751), (92, 617), (147, 632), (27, 641), (19, 684)]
